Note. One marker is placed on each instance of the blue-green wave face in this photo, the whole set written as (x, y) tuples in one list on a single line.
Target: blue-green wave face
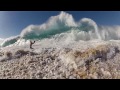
[(45, 34), (9, 41)]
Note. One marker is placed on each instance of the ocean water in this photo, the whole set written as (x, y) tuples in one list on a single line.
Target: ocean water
[(63, 29)]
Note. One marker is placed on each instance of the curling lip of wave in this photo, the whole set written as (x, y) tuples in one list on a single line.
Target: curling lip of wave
[(10, 41)]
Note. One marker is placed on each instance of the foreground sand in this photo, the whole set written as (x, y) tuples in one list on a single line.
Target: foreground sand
[(62, 64)]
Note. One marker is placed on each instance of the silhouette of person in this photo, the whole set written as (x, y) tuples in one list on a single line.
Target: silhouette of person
[(31, 43)]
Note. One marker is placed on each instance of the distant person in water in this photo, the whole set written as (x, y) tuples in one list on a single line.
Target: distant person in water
[(31, 43)]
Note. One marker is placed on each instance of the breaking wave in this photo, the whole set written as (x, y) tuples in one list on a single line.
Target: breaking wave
[(63, 27), (9, 41)]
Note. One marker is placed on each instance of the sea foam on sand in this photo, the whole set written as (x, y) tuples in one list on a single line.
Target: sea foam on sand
[(52, 61)]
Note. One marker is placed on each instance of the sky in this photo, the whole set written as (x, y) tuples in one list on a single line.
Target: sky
[(13, 22)]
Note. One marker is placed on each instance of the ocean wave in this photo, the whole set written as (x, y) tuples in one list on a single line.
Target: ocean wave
[(63, 27), (9, 41)]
